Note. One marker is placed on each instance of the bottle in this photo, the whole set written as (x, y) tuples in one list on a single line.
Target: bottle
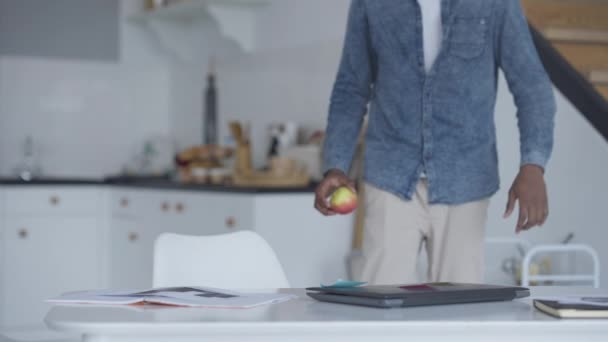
[(28, 168), (210, 116)]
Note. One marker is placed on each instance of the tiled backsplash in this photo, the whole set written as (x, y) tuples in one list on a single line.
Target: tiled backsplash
[(86, 118)]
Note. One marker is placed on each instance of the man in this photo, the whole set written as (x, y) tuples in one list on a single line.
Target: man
[(429, 69)]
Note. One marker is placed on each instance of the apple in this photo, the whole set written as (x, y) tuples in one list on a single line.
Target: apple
[(343, 201)]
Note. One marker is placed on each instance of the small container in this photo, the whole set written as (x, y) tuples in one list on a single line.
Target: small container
[(280, 166), (219, 176), (200, 175)]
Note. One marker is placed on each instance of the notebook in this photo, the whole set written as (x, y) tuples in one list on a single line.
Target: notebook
[(393, 296), (584, 307)]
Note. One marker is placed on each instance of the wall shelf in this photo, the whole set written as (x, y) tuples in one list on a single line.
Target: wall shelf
[(184, 28)]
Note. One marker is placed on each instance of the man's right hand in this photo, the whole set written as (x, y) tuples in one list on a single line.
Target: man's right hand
[(333, 180)]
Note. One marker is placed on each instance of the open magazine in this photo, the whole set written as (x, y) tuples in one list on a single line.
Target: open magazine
[(175, 296)]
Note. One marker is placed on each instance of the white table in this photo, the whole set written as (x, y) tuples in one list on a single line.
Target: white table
[(307, 320)]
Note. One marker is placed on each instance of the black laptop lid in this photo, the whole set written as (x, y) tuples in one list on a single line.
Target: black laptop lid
[(431, 289)]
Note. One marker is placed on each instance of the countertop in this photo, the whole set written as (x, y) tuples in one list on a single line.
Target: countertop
[(52, 181), (153, 183), (304, 319)]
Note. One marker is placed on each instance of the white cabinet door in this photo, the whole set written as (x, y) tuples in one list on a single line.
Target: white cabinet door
[(134, 226), (313, 249), (131, 252), (42, 258)]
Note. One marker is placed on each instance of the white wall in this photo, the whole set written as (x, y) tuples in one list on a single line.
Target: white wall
[(86, 117), (292, 23), (287, 78), (286, 85), (101, 112), (576, 179)]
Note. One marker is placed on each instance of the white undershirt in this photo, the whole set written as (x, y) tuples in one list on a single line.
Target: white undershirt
[(432, 31), (432, 35)]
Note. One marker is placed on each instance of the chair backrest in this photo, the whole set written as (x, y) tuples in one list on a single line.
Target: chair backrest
[(241, 260), (592, 279)]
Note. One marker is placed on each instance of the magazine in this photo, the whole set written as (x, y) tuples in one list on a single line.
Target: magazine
[(203, 297)]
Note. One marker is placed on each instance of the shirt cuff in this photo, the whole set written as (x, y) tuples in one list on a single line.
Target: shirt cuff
[(535, 158), (335, 165)]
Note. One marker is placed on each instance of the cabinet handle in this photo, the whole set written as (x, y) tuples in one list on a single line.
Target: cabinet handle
[(179, 207), (124, 202), (23, 233), (133, 236), (230, 222), (164, 206), (54, 200)]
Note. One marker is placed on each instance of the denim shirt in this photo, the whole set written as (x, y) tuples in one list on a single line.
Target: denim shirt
[(442, 122)]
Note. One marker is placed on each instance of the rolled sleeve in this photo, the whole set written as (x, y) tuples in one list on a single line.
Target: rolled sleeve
[(351, 92), (529, 83)]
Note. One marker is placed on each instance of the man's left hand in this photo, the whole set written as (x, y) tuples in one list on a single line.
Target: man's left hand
[(530, 190)]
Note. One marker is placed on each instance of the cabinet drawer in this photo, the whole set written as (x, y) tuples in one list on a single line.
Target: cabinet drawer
[(126, 203), (52, 201), (195, 213), (222, 213)]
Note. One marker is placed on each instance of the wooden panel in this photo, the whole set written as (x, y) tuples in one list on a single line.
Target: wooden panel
[(604, 91), (599, 76), (576, 35), (588, 14), (585, 57)]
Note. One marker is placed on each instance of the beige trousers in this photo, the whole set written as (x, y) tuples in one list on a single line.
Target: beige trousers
[(396, 230)]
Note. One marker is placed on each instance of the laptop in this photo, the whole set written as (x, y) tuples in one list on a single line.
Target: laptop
[(400, 296)]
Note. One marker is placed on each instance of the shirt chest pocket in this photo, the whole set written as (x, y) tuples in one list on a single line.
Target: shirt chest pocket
[(468, 37)]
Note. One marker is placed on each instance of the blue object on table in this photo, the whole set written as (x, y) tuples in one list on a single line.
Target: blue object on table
[(344, 284)]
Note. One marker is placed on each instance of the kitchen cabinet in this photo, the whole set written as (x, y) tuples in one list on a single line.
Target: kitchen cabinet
[(42, 258), (55, 239), (139, 217), (132, 236), (213, 213), (52, 201), (311, 248), (130, 254), (64, 29), (49, 244)]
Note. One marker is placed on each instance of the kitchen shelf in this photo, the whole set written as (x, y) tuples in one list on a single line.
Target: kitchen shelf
[(178, 27)]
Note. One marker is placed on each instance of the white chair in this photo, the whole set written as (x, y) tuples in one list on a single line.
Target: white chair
[(593, 278), (241, 260)]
